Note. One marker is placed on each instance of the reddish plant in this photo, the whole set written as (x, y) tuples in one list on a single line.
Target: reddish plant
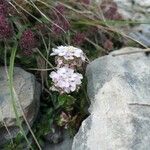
[(6, 29), (28, 42), (60, 8), (4, 7), (58, 12), (60, 27), (79, 38), (109, 9), (60, 24), (108, 44)]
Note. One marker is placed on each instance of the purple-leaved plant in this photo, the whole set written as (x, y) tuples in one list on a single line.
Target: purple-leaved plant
[(4, 7), (28, 42), (6, 29), (79, 39), (61, 24)]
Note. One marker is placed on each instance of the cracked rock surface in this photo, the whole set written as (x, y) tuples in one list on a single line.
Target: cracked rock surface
[(119, 90), (27, 96)]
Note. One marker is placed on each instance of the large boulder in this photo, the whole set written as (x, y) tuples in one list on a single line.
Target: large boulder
[(119, 90), (27, 98)]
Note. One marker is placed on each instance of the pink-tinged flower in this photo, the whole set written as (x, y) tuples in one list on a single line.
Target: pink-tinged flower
[(28, 42), (65, 80), (69, 56), (6, 29), (68, 52), (79, 39)]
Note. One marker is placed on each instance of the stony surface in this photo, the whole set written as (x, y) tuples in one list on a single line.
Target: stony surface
[(119, 89), (66, 144), (141, 33), (135, 11), (139, 11), (27, 95)]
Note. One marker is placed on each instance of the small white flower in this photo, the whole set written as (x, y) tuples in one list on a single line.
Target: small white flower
[(68, 52), (65, 80)]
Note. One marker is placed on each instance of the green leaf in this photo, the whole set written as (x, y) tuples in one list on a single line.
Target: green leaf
[(66, 100)]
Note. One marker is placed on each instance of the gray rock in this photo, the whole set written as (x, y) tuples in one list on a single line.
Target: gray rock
[(119, 89), (138, 12), (141, 33), (27, 98), (65, 145), (134, 9)]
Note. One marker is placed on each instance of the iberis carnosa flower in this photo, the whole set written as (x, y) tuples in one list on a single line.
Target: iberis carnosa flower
[(68, 56), (65, 80)]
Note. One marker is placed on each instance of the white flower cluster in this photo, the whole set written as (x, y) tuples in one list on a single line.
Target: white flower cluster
[(68, 56), (66, 79)]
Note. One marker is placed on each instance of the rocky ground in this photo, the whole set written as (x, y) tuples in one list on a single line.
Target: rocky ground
[(118, 88)]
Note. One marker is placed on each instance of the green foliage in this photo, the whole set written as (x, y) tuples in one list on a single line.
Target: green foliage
[(66, 102), (18, 143)]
